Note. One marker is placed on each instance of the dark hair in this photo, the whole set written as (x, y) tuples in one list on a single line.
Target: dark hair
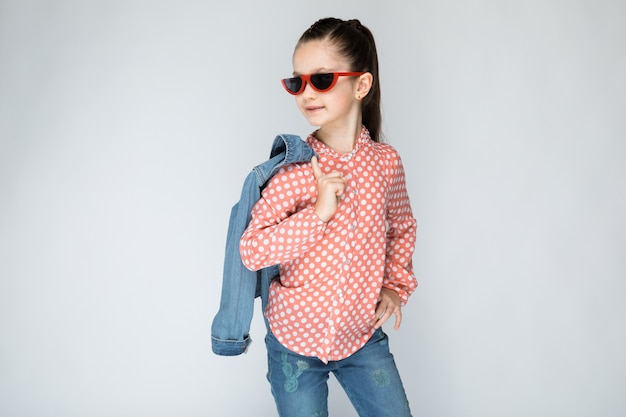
[(356, 43)]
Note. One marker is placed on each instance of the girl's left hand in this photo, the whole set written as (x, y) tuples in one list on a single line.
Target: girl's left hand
[(389, 303)]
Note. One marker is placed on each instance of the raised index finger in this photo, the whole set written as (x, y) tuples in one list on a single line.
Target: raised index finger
[(317, 172)]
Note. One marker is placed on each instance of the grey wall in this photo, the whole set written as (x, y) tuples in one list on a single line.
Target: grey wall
[(127, 127)]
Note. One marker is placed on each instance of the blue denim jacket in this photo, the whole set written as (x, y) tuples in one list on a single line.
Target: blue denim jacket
[(240, 286)]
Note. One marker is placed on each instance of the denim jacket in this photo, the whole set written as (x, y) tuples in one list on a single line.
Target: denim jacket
[(240, 286)]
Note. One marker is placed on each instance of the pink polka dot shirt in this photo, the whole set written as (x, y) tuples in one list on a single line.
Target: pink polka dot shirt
[(331, 273)]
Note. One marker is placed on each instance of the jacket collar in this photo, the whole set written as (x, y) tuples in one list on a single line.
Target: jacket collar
[(286, 149)]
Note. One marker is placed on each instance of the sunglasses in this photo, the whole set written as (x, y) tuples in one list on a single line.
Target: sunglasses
[(319, 82)]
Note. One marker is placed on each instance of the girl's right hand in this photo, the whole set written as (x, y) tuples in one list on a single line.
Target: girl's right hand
[(330, 188)]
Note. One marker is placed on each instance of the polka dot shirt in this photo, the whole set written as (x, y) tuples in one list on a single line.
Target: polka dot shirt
[(331, 273)]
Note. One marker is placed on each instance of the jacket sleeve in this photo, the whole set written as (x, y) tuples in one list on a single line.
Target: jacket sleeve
[(281, 229), (231, 325), (401, 231)]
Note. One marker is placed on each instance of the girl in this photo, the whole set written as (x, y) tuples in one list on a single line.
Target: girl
[(342, 230)]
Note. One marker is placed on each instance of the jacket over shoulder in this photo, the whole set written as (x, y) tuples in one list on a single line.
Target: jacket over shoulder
[(240, 286)]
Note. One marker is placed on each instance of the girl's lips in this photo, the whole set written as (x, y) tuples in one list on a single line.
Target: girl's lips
[(313, 108)]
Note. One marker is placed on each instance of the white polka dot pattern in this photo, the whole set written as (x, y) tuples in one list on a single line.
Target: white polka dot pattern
[(331, 273)]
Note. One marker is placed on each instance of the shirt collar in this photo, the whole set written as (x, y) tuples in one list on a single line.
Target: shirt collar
[(321, 149)]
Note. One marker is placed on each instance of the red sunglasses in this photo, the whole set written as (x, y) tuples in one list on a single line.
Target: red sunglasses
[(319, 82)]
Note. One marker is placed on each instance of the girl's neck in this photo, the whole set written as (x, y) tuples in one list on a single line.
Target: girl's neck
[(341, 140)]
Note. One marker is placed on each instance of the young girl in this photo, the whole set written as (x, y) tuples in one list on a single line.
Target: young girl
[(342, 230)]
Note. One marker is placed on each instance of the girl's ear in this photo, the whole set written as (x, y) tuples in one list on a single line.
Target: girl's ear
[(363, 85)]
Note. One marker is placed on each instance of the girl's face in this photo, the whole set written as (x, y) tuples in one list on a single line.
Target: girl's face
[(337, 107)]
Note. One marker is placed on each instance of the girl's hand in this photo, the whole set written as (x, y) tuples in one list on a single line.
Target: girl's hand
[(330, 188), (389, 303)]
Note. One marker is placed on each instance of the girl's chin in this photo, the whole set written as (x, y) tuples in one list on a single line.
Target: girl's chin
[(315, 121), (316, 118)]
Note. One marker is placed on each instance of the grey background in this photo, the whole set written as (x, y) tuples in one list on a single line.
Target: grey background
[(127, 127)]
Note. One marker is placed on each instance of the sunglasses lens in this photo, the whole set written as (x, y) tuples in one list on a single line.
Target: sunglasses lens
[(293, 85), (322, 82)]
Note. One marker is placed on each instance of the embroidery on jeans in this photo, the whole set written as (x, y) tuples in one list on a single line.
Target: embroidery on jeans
[(291, 383), (381, 377)]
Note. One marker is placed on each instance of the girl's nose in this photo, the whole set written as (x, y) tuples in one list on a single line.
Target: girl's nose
[(308, 90)]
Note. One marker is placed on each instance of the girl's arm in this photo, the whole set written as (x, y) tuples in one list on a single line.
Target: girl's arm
[(284, 224), (401, 230)]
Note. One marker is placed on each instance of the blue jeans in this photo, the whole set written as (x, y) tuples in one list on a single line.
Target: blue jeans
[(369, 377)]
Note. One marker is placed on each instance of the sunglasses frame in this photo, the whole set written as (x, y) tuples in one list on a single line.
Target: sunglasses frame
[(306, 79)]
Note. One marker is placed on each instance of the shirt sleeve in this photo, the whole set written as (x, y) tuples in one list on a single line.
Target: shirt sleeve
[(282, 228), (401, 231)]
